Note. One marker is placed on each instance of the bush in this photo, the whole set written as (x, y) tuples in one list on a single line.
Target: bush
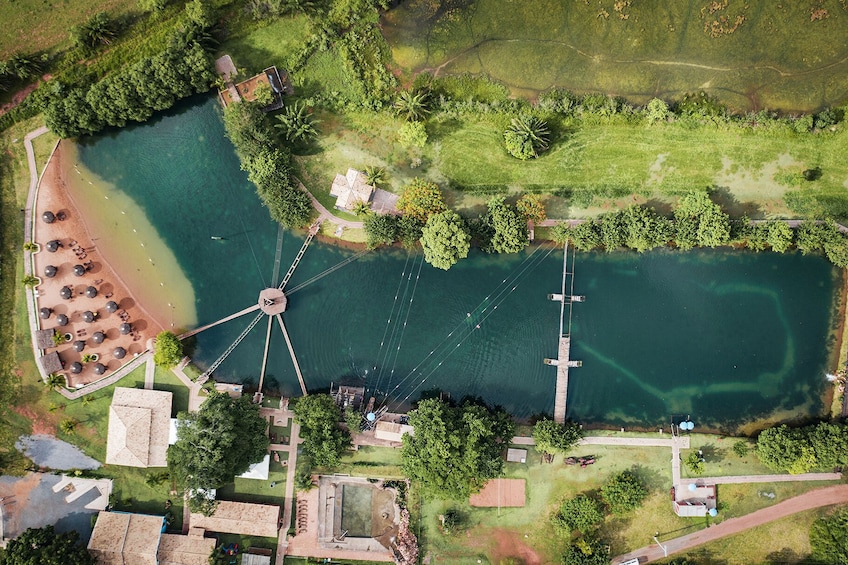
[(580, 513), (412, 134), (168, 351), (624, 492)]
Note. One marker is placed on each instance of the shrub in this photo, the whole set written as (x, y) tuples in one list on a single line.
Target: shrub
[(624, 492), (412, 134)]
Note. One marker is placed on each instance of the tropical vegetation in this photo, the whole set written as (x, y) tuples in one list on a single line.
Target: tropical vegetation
[(44, 546), (168, 350), (324, 441)]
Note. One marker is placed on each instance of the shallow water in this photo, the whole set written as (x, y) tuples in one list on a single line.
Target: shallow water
[(724, 336)]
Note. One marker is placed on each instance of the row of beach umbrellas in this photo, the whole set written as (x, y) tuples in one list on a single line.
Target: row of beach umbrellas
[(99, 368), (50, 271)]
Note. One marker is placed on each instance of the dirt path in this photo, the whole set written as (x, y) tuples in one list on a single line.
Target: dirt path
[(813, 499)]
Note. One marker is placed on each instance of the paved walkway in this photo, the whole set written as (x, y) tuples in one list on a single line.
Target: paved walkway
[(149, 373), (110, 380), (761, 479), (814, 499)]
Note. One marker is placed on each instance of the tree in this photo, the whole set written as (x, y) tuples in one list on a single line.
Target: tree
[(785, 449), (263, 94), (215, 444), (531, 207), (580, 513), (509, 228), (412, 134), (43, 546), (551, 437), (412, 106), (323, 440), (297, 125), (526, 137), (380, 229), (643, 229), (152, 5), (168, 350), (421, 199), (741, 448), (586, 552), (54, 381), (700, 222), (445, 240), (829, 539), (97, 30), (695, 463), (779, 235), (657, 111), (30, 280), (623, 492), (68, 426), (455, 449), (375, 175), (200, 13)]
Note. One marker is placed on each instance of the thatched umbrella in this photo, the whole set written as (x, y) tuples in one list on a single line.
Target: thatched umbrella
[(111, 306), (66, 292), (79, 270), (53, 245), (99, 369), (125, 328), (48, 217), (44, 313), (76, 367), (50, 271), (119, 353), (98, 337), (79, 345), (91, 292), (62, 320)]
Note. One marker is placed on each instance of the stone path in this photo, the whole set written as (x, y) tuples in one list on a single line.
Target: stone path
[(110, 380), (761, 479), (149, 373), (814, 499)]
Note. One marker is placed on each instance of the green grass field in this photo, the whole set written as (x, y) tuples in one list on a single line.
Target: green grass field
[(261, 46), (782, 56)]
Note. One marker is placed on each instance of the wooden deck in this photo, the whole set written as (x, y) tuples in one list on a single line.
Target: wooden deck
[(561, 391)]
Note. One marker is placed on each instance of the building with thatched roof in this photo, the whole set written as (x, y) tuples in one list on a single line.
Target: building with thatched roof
[(51, 363), (240, 518), (139, 421), (44, 339), (137, 539), (351, 189)]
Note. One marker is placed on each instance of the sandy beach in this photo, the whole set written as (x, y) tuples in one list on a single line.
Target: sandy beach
[(94, 284)]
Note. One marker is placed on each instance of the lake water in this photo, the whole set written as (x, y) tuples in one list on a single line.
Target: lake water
[(725, 336)]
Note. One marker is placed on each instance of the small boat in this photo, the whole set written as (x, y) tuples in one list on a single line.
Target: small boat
[(217, 238)]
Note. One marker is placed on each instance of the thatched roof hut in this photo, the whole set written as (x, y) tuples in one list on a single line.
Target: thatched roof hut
[(44, 339), (51, 362)]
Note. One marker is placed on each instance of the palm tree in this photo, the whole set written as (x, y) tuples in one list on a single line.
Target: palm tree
[(297, 124), (68, 426), (412, 106), (98, 29), (527, 136), (375, 175), (54, 381)]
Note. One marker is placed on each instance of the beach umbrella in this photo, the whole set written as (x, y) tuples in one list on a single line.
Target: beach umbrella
[(79, 270), (53, 245), (79, 345), (125, 328), (50, 271), (44, 313), (98, 337), (111, 306), (62, 320), (48, 217), (119, 353), (76, 367), (693, 487), (91, 292), (713, 512), (99, 369), (88, 316), (65, 292)]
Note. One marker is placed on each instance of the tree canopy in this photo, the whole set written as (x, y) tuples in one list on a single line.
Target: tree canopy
[(421, 199), (526, 137), (215, 444), (43, 546), (323, 440), (800, 450), (623, 492), (829, 539), (700, 222), (551, 437), (509, 227), (168, 350), (380, 229), (455, 449), (445, 240), (580, 513)]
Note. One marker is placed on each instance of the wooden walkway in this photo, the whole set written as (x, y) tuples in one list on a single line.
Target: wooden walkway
[(561, 391), (240, 313), (294, 358)]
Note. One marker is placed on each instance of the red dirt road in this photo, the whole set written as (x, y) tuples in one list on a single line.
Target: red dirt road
[(813, 499)]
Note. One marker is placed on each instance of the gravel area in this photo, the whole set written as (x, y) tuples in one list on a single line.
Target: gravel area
[(47, 451)]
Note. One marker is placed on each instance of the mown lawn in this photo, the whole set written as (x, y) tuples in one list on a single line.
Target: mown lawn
[(632, 49), (268, 43)]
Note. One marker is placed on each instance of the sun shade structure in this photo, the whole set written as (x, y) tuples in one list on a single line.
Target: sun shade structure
[(139, 422), (79, 270), (44, 339), (48, 217), (240, 518), (125, 328), (91, 292), (62, 320), (51, 363), (88, 316), (99, 369), (66, 292), (44, 313), (50, 271), (76, 367), (119, 353), (79, 345), (53, 245), (98, 337), (111, 306)]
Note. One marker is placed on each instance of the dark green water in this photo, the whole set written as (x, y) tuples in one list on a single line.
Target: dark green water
[(725, 336)]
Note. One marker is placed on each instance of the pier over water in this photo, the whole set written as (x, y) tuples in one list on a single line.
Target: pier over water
[(563, 362)]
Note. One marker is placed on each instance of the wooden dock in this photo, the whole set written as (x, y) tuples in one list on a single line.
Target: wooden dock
[(561, 391)]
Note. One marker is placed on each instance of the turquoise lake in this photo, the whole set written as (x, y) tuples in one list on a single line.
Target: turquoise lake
[(725, 336)]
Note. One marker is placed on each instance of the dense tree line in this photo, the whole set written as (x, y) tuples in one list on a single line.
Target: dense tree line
[(44, 546), (268, 164), (323, 440), (820, 447), (133, 95)]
